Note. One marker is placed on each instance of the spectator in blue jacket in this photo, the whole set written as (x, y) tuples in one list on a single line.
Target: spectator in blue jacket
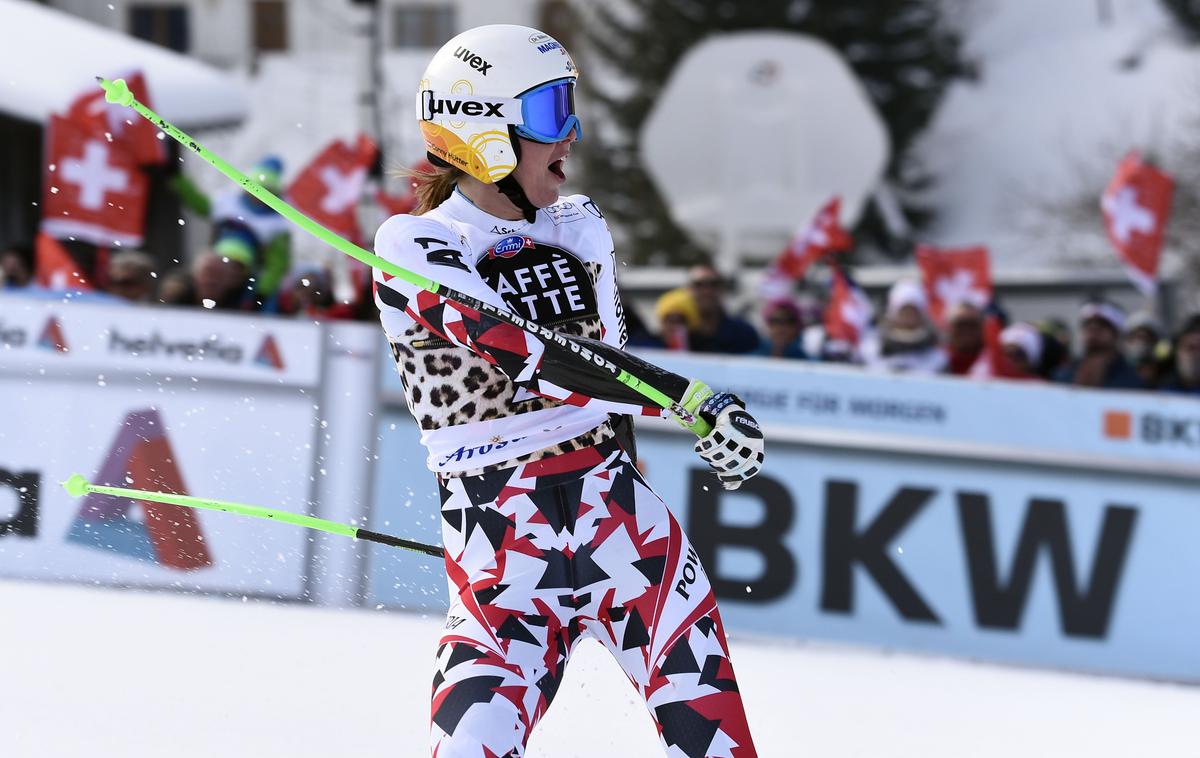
[(1101, 365), (784, 329), (718, 332)]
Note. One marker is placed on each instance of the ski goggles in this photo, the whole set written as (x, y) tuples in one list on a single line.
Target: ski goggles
[(548, 112)]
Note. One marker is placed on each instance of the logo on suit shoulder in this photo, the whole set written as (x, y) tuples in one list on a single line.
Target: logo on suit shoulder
[(564, 212)]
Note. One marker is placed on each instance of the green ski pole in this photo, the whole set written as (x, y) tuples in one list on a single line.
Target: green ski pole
[(116, 91), (78, 486)]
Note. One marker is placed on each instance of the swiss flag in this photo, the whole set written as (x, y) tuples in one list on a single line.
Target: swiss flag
[(328, 189), (393, 205), (955, 276), (93, 190), (992, 360), (824, 235), (56, 269), (1136, 206), (132, 133), (849, 314)]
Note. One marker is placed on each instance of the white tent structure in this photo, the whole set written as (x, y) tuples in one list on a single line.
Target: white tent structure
[(49, 57)]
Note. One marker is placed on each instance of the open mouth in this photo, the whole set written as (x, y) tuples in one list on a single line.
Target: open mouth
[(556, 168)]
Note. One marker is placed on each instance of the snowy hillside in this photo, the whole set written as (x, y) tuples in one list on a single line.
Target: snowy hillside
[(1062, 94), (109, 672)]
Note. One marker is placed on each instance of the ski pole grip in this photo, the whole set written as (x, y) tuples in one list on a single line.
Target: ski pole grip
[(686, 409)]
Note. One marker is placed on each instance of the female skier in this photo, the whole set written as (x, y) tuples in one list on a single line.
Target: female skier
[(550, 533)]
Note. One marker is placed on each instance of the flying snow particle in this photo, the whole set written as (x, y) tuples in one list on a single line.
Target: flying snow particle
[(181, 222), (209, 303), (900, 550)]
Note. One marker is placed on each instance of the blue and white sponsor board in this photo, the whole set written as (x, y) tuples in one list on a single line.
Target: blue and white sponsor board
[(1021, 417), (912, 529), (206, 404), (1053, 567)]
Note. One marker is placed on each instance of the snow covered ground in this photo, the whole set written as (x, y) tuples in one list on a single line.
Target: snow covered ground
[(98, 672)]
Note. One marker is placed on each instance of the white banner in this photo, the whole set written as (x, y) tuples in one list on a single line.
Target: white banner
[(75, 399), (93, 339), (994, 419)]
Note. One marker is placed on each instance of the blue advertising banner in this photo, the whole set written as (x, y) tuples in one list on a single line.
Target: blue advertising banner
[(1059, 568), (405, 503), (1029, 561)]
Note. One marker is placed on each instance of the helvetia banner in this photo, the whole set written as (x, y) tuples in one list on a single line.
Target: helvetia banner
[(130, 397)]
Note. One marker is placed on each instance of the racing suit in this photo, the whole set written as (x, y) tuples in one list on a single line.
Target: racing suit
[(550, 532)]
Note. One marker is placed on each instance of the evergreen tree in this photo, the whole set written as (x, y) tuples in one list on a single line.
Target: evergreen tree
[(901, 50), (1187, 14)]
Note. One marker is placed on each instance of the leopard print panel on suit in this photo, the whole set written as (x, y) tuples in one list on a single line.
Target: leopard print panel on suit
[(446, 385)]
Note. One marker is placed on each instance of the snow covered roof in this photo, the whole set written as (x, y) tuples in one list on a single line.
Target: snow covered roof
[(48, 57)]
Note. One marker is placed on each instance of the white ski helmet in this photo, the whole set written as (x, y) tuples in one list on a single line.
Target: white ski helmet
[(489, 84)]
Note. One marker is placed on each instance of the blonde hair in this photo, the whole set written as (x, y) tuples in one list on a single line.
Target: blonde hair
[(432, 186)]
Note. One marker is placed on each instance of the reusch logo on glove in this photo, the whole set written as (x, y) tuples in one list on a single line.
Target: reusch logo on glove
[(745, 424), (431, 106)]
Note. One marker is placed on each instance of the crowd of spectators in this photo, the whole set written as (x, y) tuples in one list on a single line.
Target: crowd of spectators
[(1106, 349), (247, 267), (224, 277)]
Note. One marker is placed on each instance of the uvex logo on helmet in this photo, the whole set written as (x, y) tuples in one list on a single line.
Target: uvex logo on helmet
[(472, 60), (434, 106)]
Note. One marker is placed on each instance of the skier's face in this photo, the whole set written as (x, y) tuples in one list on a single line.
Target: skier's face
[(541, 170)]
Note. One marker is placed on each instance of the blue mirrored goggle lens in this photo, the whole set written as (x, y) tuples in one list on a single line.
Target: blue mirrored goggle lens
[(549, 112)]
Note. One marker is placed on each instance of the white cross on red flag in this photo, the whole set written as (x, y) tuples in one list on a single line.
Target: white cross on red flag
[(848, 314), (129, 131), (953, 276), (824, 235), (992, 360), (1136, 206), (94, 190), (329, 188), (392, 205)]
